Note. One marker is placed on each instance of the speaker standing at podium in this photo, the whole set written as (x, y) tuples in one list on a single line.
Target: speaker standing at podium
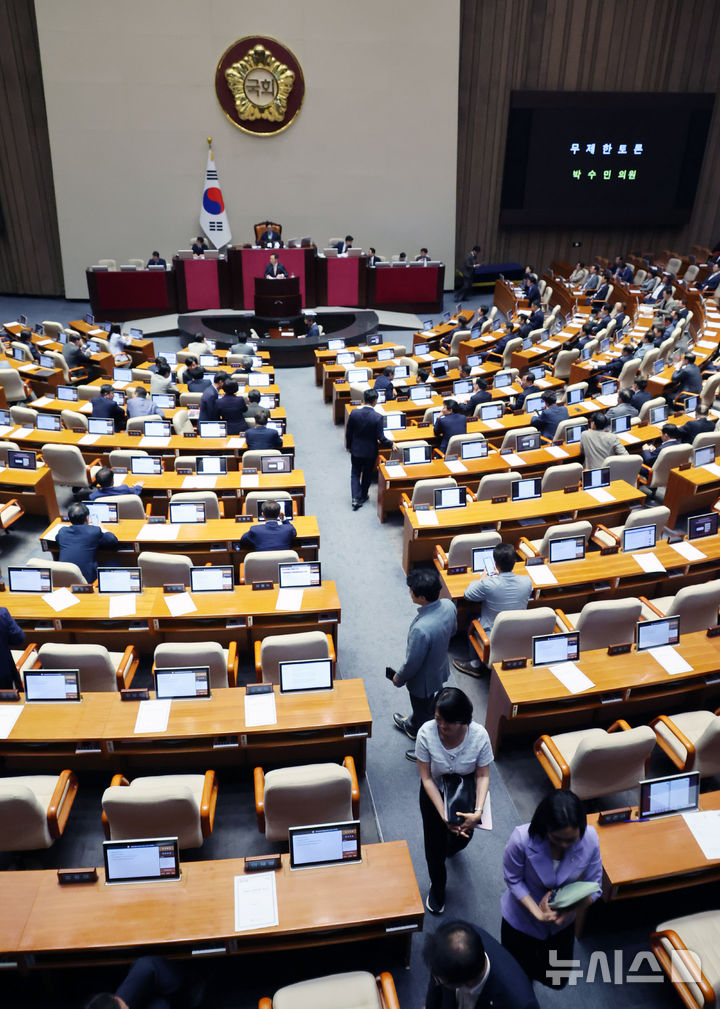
[(275, 269)]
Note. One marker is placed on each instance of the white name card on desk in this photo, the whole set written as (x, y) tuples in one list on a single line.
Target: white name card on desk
[(423, 402), (649, 562), (251, 480), (120, 385), (542, 383), (394, 470), (88, 439), (5, 429), (22, 432), (671, 660), (289, 600), (122, 606), (688, 551), (704, 825), (43, 401), (255, 901), (628, 439), (199, 482), (600, 494), (708, 344), (180, 603), (557, 452), (455, 466), (712, 467), (571, 676), (8, 717), (540, 574), (607, 400), (426, 518), (236, 443), (158, 531), (552, 344), (495, 424), (260, 709), (148, 442), (512, 459), (119, 479), (152, 716), (60, 599)]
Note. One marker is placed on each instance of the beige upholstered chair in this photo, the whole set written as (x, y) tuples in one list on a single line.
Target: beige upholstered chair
[(624, 467), (262, 565), (710, 390), (353, 990), (129, 506), (167, 805), (496, 485), (181, 422), (68, 467), (213, 508), (64, 573), (513, 346), (110, 263), (12, 385), (696, 605), (669, 458), (252, 459), (461, 548), (277, 648), (99, 669), (23, 347), (34, 810), (10, 512), (593, 762), (609, 622), (74, 420), (707, 438), (563, 362), (396, 452), (223, 662), (691, 740), (629, 373), (138, 423), (650, 404), (52, 329), (311, 793), (357, 379), (185, 462), (87, 392), (583, 386), (512, 633), (688, 950), (659, 516), (559, 477), (558, 531), (25, 416), (158, 569), (5, 447), (250, 504), (510, 439), (120, 457), (411, 363), (562, 427), (456, 339), (424, 490), (455, 443)]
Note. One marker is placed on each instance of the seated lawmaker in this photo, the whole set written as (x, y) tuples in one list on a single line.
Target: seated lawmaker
[(550, 416), (528, 388), (624, 406), (451, 421), (195, 379), (140, 404), (688, 377), (670, 435), (272, 534), (25, 337), (261, 436), (104, 486), (231, 408), (640, 394), (156, 260), (343, 247), (312, 326), (384, 383), (79, 542), (75, 354), (275, 268), (701, 425), (480, 395), (105, 406)]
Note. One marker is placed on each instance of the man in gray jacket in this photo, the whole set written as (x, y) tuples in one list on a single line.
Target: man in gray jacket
[(597, 442), (426, 666)]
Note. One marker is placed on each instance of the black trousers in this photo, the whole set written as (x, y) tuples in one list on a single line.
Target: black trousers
[(151, 983), (440, 844), (423, 710), (533, 954), (361, 474)]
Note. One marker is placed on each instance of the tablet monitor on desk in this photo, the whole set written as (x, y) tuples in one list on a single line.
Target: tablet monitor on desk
[(416, 454), (618, 425), (347, 357), (180, 681), (119, 580), (527, 442), (187, 512), (491, 411), (586, 353), (19, 353), (689, 402), (525, 490), (67, 394), (286, 507), (462, 387), (596, 478), (101, 425), (527, 343), (212, 429), (150, 860), (48, 362), (533, 404), (52, 685), (171, 357), (124, 375), (213, 579), (118, 397), (356, 375), (30, 579), (439, 369), (608, 387), (575, 396), (659, 365), (703, 525), (211, 465), (137, 334), (394, 421), (276, 464), (336, 344), (156, 429), (20, 459), (573, 434), (704, 456), (145, 465), (483, 560), (639, 538), (89, 319), (5, 418), (301, 574), (605, 345), (48, 422), (427, 325), (502, 380), (473, 360), (551, 648), (656, 633), (324, 844), (420, 349), (208, 361), (569, 548), (474, 449), (450, 497), (658, 415), (420, 392), (163, 401), (385, 354), (306, 674), (268, 400), (102, 511), (675, 793)]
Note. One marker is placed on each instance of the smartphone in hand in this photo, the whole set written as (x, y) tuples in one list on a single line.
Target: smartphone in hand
[(390, 673)]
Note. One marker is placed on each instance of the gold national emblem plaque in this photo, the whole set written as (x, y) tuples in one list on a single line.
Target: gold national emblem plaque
[(259, 85)]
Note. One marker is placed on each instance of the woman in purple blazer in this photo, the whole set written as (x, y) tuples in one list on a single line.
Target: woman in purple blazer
[(555, 848)]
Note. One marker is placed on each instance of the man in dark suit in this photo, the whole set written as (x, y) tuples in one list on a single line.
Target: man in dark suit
[(711, 282), (270, 235), (670, 435), (700, 425), (209, 399), (231, 408), (549, 418), (11, 636), (154, 983), (79, 542), (343, 247), (384, 382), (312, 326), (261, 436), (104, 406), (424, 256), (452, 420), (363, 435), (74, 355), (471, 970), (687, 378), (640, 394), (253, 397), (25, 337), (195, 379), (481, 395), (533, 291), (157, 260), (373, 258), (200, 246), (528, 388), (270, 534), (468, 272), (104, 486), (275, 269)]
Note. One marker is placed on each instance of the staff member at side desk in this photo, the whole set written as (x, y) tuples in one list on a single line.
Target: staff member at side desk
[(272, 534), (79, 542), (157, 260), (11, 636), (275, 268), (199, 247), (363, 434)]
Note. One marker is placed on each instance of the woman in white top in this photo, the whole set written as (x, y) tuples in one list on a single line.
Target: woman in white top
[(451, 744)]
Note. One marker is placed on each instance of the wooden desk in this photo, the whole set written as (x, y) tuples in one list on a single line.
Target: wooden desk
[(631, 686), (419, 539), (642, 857), (328, 357), (34, 489), (243, 615), (231, 488), (139, 350), (200, 733), (375, 898), (690, 490)]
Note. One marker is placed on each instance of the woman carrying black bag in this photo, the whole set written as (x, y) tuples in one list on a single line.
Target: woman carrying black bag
[(454, 756)]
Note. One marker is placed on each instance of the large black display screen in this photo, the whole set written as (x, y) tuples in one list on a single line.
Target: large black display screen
[(603, 159)]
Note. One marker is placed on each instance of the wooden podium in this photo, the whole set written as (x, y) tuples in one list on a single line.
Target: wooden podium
[(277, 299)]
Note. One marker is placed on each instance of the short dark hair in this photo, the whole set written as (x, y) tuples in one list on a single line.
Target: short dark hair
[(155, 252), (480, 384), (423, 249), (77, 513), (104, 477), (641, 383), (504, 556), (106, 389), (370, 396), (163, 370), (220, 378), (231, 387), (424, 583), (624, 395), (689, 356), (454, 706), (262, 417), (452, 404), (455, 953), (270, 509), (372, 250), (549, 398), (465, 370), (389, 371), (671, 430), (103, 1001), (349, 238), (254, 396), (141, 391), (196, 373), (599, 420), (422, 375), (556, 811)]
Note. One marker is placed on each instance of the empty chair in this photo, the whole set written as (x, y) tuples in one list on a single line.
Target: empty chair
[(595, 762), (707, 438), (624, 467), (10, 512), (139, 263), (181, 422), (639, 277), (457, 440), (558, 531), (120, 457), (561, 432), (691, 739), (209, 498), (572, 388), (609, 622), (5, 447), (110, 263), (460, 551), (691, 273), (496, 485), (277, 648), (686, 949), (457, 338), (352, 990), (250, 504), (710, 389), (648, 405), (647, 366), (424, 490), (510, 439), (262, 565), (223, 662), (253, 458), (138, 423), (98, 668), (658, 516), (68, 467), (185, 462), (411, 363), (563, 362), (512, 633), (559, 477), (129, 506), (164, 569), (87, 392), (513, 346), (74, 420), (13, 386), (52, 329), (60, 362), (64, 573), (166, 805), (673, 264), (25, 416), (696, 605), (311, 793), (629, 373), (34, 810)]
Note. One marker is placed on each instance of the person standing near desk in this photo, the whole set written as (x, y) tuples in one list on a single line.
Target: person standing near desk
[(312, 326), (275, 268), (211, 397), (343, 247), (231, 408), (468, 273), (105, 407), (597, 442), (363, 433), (451, 421), (11, 636), (79, 542)]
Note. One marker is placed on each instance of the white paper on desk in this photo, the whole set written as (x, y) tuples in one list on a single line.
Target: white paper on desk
[(542, 383), (671, 661), (180, 603), (455, 466), (152, 716), (600, 494), (5, 429), (557, 452), (119, 479), (122, 606), (552, 344), (60, 599), (394, 470), (423, 402), (43, 401), (688, 551), (571, 677), (513, 460), (88, 439), (289, 599), (607, 400), (251, 480), (199, 482), (628, 439), (426, 518), (659, 380), (120, 385), (649, 562), (255, 901), (8, 717), (706, 343), (148, 442), (22, 432), (236, 443), (492, 423), (704, 825), (51, 535), (712, 467), (158, 531), (540, 574), (260, 709)]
